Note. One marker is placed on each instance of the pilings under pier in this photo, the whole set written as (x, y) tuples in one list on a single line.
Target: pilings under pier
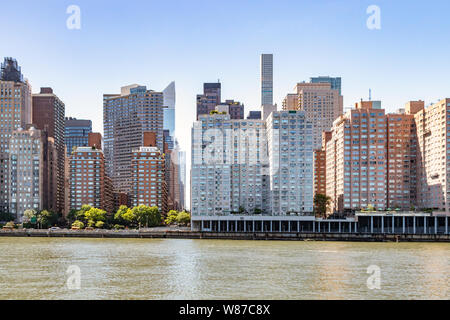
[(376, 223)]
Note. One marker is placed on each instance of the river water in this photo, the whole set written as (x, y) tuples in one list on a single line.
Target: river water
[(36, 268)]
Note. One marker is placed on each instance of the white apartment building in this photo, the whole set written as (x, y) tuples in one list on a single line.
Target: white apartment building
[(26, 171), (433, 135), (290, 151), (251, 166)]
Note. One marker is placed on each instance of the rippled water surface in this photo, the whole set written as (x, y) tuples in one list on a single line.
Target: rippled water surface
[(35, 268)]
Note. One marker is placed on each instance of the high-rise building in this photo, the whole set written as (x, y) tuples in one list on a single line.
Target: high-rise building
[(334, 82), (433, 136), (76, 133), (235, 109), (169, 111), (227, 174), (251, 166), (371, 159), (148, 178), (210, 98), (95, 140), (126, 117), (48, 116), (290, 151), (182, 165), (320, 186), (26, 171), (266, 79), (89, 183), (290, 102), (321, 103), (254, 115), (15, 108)]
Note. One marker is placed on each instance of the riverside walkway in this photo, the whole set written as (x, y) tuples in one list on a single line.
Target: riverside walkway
[(168, 233)]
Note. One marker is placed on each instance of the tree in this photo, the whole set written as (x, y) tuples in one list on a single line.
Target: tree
[(6, 216), (47, 218), (171, 217), (95, 215), (118, 217), (147, 216), (184, 218), (321, 203), (81, 213), (99, 224), (78, 225), (72, 216), (29, 216)]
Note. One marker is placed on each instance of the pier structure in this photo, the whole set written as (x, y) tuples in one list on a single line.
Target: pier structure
[(361, 222)]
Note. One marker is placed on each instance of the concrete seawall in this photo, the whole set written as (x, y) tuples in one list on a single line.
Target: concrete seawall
[(356, 237)]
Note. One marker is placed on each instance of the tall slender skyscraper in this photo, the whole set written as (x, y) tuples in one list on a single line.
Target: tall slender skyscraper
[(15, 108), (169, 111), (266, 79)]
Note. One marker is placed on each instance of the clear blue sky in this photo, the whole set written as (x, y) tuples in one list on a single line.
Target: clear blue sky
[(192, 41)]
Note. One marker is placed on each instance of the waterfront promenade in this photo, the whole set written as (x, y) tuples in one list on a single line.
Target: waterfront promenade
[(170, 233)]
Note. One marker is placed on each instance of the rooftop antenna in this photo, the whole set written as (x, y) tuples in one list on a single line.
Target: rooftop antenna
[(370, 94)]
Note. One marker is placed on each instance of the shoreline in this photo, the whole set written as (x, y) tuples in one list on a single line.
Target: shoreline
[(182, 234)]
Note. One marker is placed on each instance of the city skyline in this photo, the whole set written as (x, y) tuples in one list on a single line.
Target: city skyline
[(237, 152), (386, 71)]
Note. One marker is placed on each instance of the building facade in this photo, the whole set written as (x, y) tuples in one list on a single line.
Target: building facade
[(290, 151), (15, 109), (321, 104), (26, 172), (335, 83), (169, 110), (76, 133), (371, 159), (254, 115), (242, 167), (126, 117), (433, 135), (148, 176), (266, 79), (210, 98), (290, 102), (48, 116), (89, 184)]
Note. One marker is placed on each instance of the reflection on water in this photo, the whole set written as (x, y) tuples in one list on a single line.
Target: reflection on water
[(35, 268)]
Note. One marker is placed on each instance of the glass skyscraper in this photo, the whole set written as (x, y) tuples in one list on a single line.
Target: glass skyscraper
[(77, 133), (266, 79), (334, 82), (169, 111)]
